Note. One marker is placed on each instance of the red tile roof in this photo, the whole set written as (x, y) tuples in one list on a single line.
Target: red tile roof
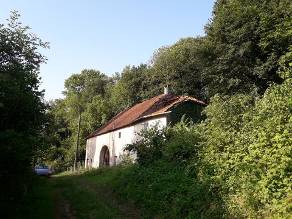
[(155, 106)]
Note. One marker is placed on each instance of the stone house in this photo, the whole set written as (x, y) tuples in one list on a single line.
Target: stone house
[(105, 146)]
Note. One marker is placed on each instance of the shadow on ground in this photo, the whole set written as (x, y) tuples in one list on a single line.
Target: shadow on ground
[(79, 195)]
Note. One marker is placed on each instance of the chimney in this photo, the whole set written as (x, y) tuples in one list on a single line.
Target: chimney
[(166, 90)]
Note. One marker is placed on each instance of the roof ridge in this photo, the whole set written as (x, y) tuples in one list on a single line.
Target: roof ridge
[(194, 99), (135, 105), (157, 102), (160, 104)]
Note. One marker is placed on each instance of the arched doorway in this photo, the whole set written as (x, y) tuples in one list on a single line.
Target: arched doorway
[(104, 157)]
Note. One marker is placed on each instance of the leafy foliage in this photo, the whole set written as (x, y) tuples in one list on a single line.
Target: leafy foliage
[(161, 182), (247, 39), (130, 88), (85, 95), (179, 66), (21, 107), (236, 163), (149, 147), (251, 154), (183, 142), (163, 190), (240, 157)]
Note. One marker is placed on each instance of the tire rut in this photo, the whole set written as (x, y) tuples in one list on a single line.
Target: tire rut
[(63, 209), (127, 209)]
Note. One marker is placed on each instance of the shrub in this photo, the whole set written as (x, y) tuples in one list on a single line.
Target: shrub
[(149, 146), (249, 146), (162, 182), (237, 163), (163, 190), (182, 142)]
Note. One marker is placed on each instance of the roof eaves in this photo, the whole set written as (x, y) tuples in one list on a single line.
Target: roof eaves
[(145, 116), (132, 123), (153, 115)]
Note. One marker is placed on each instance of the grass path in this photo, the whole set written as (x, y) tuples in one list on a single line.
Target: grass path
[(77, 196)]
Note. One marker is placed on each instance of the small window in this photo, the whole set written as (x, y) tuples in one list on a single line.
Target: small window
[(120, 134)]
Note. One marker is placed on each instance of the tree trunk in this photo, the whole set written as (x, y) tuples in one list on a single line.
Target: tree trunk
[(77, 142)]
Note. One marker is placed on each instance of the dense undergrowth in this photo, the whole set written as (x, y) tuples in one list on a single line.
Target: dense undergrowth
[(235, 164)]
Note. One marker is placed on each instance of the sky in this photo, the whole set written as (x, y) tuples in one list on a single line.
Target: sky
[(105, 35)]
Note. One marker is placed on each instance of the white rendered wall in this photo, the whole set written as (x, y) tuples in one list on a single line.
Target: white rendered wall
[(117, 144), (161, 122), (90, 151)]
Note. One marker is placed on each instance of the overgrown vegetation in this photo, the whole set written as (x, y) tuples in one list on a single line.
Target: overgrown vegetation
[(245, 46), (248, 146), (234, 164), (21, 108), (237, 163)]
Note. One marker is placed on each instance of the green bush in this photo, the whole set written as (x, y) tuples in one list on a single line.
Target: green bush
[(249, 146), (237, 163), (149, 147), (182, 142), (164, 182), (163, 190)]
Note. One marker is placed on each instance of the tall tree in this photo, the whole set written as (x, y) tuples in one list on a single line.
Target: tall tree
[(57, 135), (82, 101), (180, 67), (130, 88), (247, 39), (21, 104)]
